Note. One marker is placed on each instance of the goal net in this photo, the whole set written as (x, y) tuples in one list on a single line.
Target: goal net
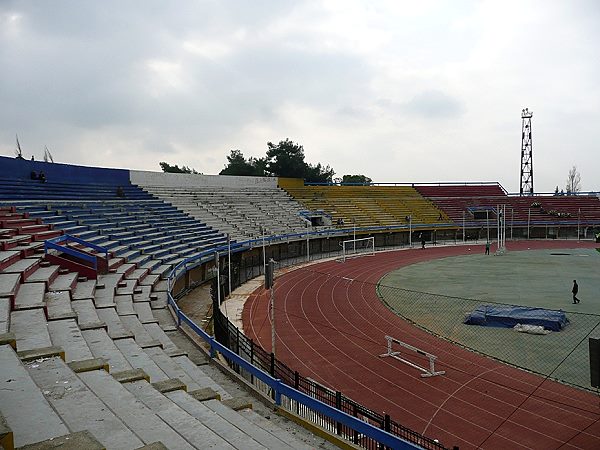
[(358, 247)]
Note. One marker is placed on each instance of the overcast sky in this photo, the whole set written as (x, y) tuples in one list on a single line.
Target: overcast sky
[(414, 91)]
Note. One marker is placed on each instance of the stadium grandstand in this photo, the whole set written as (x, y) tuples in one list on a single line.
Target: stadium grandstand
[(104, 342)]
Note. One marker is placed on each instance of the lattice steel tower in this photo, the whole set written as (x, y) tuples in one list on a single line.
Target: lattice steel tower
[(526, 153)]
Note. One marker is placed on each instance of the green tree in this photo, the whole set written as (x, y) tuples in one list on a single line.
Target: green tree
[(238, 165), (166, 167), (285, 159), (318, 173), (356, 179)]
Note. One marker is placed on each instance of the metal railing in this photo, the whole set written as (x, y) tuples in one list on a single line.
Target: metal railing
[(54, 244), (302, 396)]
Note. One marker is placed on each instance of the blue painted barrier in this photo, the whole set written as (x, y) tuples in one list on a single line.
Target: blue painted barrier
[(279, 388), (15, 168), (381, 436), (54, 244)]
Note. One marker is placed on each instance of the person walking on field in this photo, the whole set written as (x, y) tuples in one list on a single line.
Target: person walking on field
[(575, 290), (487, 248)]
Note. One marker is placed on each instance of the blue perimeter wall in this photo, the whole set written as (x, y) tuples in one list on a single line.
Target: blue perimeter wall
[(14, 168)]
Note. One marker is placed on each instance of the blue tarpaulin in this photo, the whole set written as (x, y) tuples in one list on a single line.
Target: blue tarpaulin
[(509, 316)]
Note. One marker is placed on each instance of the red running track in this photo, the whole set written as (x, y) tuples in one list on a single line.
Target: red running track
[(331, 327)]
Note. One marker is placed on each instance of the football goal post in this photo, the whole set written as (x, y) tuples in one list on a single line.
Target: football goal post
[(358, 247)]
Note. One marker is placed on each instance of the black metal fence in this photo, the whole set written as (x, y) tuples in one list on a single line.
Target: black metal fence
[(560, 365), (562, 356), (230, 336)]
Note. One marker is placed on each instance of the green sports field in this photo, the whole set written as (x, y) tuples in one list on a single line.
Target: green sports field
[(437, 295)]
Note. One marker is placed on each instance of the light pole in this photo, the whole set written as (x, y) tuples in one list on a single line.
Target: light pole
[(307, 243), (512, 219), (354, 232), (262, 229), (487, 223), (229, 263), (218, 279), (271, 285)]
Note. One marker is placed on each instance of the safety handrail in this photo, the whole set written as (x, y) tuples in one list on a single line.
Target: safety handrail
[(66, 238), (278, 387)]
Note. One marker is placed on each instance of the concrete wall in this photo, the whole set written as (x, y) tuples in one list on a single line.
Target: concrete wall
[(13, 168), (143, 178)]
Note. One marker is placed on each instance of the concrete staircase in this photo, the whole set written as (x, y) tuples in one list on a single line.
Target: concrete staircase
[(88, 364)]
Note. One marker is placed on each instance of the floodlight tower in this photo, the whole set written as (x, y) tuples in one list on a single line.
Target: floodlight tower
[(526, 153)]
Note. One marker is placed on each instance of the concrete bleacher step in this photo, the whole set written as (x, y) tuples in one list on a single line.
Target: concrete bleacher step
[(200, 377), (58, 305), (66, 334), (139, 359), (158, 334), (24, 407), (4, 315), (71, 441), (126, 269), (161, 286), (115, 262), (148, 426), (186, 425), (45, 235), (144, 312), (102, 346), (150, 280), (163, 270), (273, 429), (87, 235), (64, 282), (138, 274), (110, 280), (150, 264), (165, 319), (259, 434), (116, 330), (12, 242), (119, 250), (104, 298), (142, 293), (126, 287), (78, 407), (31, 295), (30, 329), (45, 275), (86, 312), (30, 248), (24, 266), (10, 284), (140, 260), (214, 413), (228, 431), (158, 300), (8, 258), (140, 334), (84, 290), (169, 366), (124, 305), (129, 255)]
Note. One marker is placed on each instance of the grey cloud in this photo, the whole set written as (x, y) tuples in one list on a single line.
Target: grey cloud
[(76, 75), (434, 104)]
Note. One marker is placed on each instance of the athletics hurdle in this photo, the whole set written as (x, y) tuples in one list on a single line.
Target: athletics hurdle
[(431, 372)]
